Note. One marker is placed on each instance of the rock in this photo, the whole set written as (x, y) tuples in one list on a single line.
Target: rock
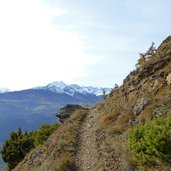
[(130, 89), (148, 68), (139, 106), (146, 71), (36, 157), (160, 111), (168, 79), (67, 110), (159, 64), (133, 121), (162, 74), (157, 85)]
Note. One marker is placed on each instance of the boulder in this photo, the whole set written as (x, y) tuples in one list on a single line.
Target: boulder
[(139, 106), (67, 110)]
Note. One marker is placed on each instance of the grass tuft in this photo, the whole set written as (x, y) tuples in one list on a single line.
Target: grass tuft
[(66, 164)]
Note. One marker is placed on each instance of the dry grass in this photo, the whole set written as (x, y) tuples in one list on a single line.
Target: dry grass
[(62, 143), (116, 110), (66, 164)]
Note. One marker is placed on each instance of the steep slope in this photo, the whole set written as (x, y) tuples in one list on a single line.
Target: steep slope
[(144, 96), (59, 149)]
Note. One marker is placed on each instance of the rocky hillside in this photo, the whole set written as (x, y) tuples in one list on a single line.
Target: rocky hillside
[(144, 96), (103, 131)]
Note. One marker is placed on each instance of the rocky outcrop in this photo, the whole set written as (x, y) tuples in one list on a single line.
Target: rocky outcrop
[(67, 110), (139, 106)]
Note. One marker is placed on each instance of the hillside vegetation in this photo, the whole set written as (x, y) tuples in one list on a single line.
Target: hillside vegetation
[(130, 130), (58, 152), (144, 96), (20, 143)]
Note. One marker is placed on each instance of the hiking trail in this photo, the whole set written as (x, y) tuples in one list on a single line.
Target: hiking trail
[(87, 158)]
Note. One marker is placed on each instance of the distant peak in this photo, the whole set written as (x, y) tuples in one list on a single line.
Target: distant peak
[(57, 83), (61, 88)]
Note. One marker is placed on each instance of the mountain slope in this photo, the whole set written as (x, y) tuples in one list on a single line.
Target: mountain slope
[(144, 96)]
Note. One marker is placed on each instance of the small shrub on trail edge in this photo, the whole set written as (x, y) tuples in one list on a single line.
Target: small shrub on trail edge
[(66, 164), (43, 133), (152, 141)]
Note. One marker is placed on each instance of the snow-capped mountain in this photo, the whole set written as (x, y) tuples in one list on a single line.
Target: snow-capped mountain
[(62, 88)]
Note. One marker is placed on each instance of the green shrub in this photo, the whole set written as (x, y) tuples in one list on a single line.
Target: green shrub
[(66, 164), (152, 141), (18, 145), (43, 133)]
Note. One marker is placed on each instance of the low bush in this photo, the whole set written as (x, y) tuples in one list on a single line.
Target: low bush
[(66, 164), (151, 142), (43, 133)]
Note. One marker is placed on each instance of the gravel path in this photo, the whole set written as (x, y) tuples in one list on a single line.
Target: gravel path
[(87, 156)]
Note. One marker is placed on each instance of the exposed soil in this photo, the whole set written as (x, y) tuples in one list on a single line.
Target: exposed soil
[(87, 158)]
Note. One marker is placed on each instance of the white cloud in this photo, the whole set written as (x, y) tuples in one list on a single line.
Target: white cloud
[(69, 40), (35, 52)]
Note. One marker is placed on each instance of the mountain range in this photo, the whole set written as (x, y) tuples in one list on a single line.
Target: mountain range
[(32, 107), (62, 88)]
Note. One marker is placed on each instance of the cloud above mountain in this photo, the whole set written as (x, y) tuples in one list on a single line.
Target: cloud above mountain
[(33, 49)]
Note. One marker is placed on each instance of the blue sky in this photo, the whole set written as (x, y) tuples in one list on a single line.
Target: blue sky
[(87, 42)]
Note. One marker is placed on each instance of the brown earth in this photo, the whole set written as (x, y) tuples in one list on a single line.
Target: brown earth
[(87, 158)]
